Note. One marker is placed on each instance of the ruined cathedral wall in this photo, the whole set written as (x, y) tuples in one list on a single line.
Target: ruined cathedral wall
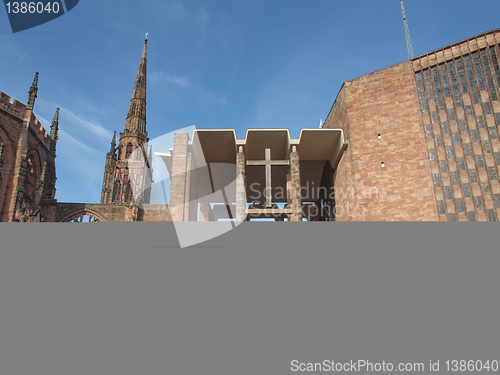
[(154, 212), (103, 212), (108, 212), (11, 122)]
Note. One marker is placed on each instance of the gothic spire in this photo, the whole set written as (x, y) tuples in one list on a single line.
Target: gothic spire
[(136, 117), (54, 128), (33, 91)]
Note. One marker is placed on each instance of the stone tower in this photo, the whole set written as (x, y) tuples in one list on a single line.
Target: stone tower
[(128, 175)]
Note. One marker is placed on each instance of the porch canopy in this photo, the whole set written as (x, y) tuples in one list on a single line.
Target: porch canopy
[(314, 146)]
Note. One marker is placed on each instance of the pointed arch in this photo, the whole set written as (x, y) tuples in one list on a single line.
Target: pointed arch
[(117, 191), (83, 216), (129, 194)]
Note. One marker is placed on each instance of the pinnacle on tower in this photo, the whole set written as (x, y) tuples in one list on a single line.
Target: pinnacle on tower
[(113, 143), (48, 180), (54, 128), (33, 91)]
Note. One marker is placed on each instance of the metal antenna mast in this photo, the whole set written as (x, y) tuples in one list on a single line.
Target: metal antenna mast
[(407, 32)]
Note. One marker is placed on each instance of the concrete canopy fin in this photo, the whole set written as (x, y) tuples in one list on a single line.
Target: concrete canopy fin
[(257, 140), (320, 144), (214, 145)]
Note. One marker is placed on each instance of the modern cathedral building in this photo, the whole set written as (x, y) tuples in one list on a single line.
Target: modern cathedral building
[(416, 141)]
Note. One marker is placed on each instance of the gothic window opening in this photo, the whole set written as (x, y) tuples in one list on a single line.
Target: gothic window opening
[(129, 195), (117, 191), (84, 218), (129, 150), (32, 176)]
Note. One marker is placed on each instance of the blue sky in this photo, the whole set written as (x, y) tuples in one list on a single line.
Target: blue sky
[(212, 64)]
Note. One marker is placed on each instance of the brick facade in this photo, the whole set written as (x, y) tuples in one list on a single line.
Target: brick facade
[(423, 137), (387, 178)]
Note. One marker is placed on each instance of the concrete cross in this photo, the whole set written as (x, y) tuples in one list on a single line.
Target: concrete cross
[(268, 163)]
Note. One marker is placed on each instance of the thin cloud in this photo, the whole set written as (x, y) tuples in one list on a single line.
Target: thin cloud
[(68, 137), (82, 165), (92, 126), (202, 94), (173, 9), (203, 20), (156, 13), (162, 76), (208, 98), (203, 17)]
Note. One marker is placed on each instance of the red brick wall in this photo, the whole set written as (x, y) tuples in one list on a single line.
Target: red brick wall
[(386, 103), (338, 119)]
